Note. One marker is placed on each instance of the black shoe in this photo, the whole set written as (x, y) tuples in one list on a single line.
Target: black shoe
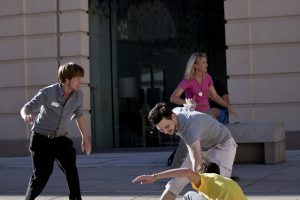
[(171, 158), (235, 178)]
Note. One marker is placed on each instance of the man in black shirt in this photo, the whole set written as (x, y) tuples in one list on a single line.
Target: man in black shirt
[(223, 93)]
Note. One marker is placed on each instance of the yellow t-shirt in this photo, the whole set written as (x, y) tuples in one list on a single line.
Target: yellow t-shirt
[(216, 187)]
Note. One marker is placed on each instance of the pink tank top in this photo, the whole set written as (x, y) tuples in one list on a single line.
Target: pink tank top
[(198, 90)]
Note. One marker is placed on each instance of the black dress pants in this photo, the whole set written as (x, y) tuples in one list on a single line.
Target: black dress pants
[(44, 151)]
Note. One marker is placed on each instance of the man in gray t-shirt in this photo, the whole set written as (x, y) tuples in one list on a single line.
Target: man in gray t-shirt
[(205, 137), (195, 126)]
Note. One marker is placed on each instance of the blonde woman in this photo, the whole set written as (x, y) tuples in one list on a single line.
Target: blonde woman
[(198, 87)]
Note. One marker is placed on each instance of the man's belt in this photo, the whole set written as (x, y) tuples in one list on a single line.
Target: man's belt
[(50, 136)]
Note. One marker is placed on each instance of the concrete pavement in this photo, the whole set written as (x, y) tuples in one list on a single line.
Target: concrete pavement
[(107, 176)]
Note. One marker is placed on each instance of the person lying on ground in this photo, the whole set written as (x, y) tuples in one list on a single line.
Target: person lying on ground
[(209, 184)]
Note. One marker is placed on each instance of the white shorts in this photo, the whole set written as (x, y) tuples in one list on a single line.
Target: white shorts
[(191, 195), (221, 154)]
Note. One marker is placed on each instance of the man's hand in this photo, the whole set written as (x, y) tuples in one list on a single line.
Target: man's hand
[(86, 146), (190, 103), (145, 179), (26, 115), (29, 118)]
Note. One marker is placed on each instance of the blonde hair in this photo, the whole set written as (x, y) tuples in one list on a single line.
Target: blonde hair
[(190, 70)]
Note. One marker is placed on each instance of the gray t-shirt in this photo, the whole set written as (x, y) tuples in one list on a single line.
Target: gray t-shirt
[(54, 111), (194, 125)]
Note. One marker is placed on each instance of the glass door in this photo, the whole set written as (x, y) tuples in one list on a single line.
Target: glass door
[(139, 49)]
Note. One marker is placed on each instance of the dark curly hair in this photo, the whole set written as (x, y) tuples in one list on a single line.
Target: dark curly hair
[(209, 167), (160, 111)]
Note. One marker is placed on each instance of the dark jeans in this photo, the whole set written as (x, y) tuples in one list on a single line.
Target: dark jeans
[(44, 151)]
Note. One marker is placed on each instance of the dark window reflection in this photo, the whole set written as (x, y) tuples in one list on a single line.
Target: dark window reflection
[(154, 41)]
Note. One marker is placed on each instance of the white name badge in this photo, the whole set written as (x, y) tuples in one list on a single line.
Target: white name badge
[(55, 104)]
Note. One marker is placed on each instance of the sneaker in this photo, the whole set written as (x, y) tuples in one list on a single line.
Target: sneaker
[(235, 178)]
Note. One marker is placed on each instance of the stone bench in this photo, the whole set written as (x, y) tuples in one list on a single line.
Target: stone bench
[(259, 142)]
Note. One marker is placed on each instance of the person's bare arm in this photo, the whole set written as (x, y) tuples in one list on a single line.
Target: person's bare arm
[(86, 143), (215, 97), (175, 97), (195, 154), (180, 172), (225, 97)]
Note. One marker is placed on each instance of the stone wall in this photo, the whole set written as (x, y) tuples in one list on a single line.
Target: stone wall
[(263, 39), (35, 38)]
